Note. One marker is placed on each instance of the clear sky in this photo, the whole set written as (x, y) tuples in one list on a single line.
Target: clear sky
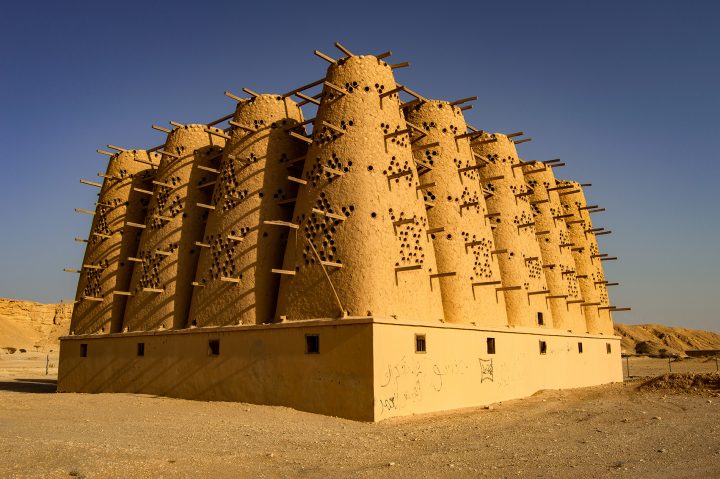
[(627, 93)]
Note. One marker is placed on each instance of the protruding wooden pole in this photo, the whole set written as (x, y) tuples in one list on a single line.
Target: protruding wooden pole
[(343, 49), (323, 56), (231, 95)]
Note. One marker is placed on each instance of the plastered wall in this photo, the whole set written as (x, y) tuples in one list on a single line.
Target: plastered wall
[(456, 370), (235, 282), (256, 364), (366, 369), (105, 269), (588, 259), (167, 257), (514, 231), (458, 219), (360, 246), (555, 247)]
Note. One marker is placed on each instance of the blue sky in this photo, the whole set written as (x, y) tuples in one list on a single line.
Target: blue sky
[(626, 93)]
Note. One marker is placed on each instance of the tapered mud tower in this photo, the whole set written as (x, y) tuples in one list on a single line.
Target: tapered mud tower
[(105, 273), (555, 245), (167, 258), (588, 259), (361, 246), (468, 272), (235, 282), (518, 250)]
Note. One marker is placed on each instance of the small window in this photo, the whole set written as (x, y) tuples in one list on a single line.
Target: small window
[(580, 348), (420, 343), (312, 344), (491, 345), (141, 349), (83, 350), (608, 348), (541, 321), (214, 347), (543, 347)]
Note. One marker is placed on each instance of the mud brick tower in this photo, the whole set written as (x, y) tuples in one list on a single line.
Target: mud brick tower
[(350, 248)]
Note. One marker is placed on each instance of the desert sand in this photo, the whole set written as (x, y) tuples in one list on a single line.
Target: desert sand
[(617, 430), (621, 430)]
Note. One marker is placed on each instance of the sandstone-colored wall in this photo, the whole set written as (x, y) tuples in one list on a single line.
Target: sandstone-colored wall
[(262, 364), (161, 284), (367, 369), (456, 211), (361, 247), (105, 268), (587, 264), (457, 372), (234, 281), (555, 246), (519, 253)]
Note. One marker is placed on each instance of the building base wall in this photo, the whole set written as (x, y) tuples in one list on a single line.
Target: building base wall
[(456, 371), (367, 368), (256, 364)]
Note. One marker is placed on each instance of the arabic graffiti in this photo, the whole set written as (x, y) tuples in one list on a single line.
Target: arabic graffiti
[(408, 381)]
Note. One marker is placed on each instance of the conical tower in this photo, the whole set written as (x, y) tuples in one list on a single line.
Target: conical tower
[(588, 259), (555, 245), (360, 246), (166, 261), (105, 274), (468, 272), (518, 250), (234, 282)]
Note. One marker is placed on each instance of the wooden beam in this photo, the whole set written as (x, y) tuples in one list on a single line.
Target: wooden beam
[(283, 271), (343, 49), (304, 87), (233, 96), (324, 57), (508, 288), (300, 137), (91, 183), (308, 99), (281, 223), (464, 100), (407, 268)]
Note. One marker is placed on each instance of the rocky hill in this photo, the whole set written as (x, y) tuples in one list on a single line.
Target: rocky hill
[(36, 327), (658, 340), (32, 326)]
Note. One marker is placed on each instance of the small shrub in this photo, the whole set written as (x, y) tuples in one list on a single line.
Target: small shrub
[(10, 349)]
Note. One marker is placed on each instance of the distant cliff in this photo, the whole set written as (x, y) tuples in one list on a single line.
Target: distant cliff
[(658, 340), (32, 326), (36, 326)]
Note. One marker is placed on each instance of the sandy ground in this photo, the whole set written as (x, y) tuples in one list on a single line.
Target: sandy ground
[(607, 431)]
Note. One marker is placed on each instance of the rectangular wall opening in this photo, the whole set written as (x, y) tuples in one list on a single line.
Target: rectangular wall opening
[(541, 320), (543, 347), (491, 345), (83, 350), (608, 348), (420, 343), (312, 344), (580, 348), (141, 349), (214, 347)]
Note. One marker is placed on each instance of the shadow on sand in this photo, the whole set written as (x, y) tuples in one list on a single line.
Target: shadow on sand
[(29, 385)]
